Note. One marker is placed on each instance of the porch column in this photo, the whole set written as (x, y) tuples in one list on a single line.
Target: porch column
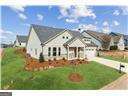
[(77, 52), (84, 52), (68, 52)]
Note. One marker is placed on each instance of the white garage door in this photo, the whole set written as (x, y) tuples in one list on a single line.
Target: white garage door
[(90, 53)]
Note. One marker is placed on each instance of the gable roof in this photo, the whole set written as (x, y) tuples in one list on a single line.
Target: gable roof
[(73, 39), (22, 38), (102, 37), (116, 38), (46, 33)]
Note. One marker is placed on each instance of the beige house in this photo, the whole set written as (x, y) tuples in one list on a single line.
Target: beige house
[(105, 41), (20, 41), (59, 43)]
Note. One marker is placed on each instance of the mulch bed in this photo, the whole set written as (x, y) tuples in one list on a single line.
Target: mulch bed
[(34, 64), (75, 77)]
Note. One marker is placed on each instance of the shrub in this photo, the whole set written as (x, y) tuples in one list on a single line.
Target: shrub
[(54, 59), (64, 58), (41, 58), (113, 47)]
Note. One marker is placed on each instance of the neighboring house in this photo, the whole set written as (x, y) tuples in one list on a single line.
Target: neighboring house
[(6, 45), (105, 41), (125, 37), (20, 41), (126, 41), (58, 43), (102, 40)]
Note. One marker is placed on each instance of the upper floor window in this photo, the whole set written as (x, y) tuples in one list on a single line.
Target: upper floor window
[(49, 51), (63, 37), (54, 51), (59, 51), (66, 37)]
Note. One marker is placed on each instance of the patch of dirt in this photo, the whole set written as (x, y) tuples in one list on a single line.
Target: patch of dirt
[(75, 77)]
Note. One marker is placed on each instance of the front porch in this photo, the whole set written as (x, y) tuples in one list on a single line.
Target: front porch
[(75, 53)]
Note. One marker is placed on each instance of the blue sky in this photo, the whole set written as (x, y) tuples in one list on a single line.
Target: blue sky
[(17, 19)]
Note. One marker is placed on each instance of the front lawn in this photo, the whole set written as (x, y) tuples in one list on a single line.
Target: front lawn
[(14, 76)]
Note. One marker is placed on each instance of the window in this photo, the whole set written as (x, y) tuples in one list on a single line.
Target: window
[(63, 37), (49, 51), (20, 43), (59, 51), (54, 51), (67, 37), (31, 49), (35, 51)]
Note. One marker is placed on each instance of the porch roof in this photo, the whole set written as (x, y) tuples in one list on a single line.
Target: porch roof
[(72, 40)]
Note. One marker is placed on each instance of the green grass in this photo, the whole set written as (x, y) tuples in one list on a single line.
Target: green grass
[(94, 75), (120, 59)]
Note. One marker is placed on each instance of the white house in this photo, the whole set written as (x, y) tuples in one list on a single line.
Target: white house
[(20, 41), (58, 43), (118, 41), (105, 41)]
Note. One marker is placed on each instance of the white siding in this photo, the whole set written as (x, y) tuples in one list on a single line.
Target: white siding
[(57, 42), (33, 45), (121, 44), (90, 52), (17, 44), (98, 43)]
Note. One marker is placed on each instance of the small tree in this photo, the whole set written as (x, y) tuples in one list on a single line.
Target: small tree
[(41, 58)]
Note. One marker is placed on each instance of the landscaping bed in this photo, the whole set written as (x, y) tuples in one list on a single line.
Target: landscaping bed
[(14, 76)]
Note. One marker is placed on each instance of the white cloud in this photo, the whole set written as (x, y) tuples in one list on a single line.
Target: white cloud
[(76, 12), (17, 8), (124, 10), (72, 20), (116, 13), (20, 11), (39, 17), (5, 32), (116, 23), (105, 23), (106, 29), (22, 16), (26, 24), (87, 27)]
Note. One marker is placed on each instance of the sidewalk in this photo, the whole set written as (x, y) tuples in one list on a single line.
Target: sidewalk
[(112, 63), (119, 84)]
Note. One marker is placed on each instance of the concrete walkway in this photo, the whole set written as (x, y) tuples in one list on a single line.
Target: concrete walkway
[(119, 84), (112, 63)]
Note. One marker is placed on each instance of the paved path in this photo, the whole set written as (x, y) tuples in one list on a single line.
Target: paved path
[(119, 84), (112, 63)]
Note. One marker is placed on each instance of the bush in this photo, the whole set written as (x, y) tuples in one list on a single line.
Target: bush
[(41, 58), (113, 47), (54, 59)]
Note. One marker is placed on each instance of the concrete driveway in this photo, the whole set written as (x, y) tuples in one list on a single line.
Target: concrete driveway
[(112, 63)]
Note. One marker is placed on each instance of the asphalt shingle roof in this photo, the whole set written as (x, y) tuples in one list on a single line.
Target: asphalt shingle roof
[(22, 39), (45, 33), (102, 37)]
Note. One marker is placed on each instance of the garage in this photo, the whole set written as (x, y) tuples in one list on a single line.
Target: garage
[(90, 52)]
